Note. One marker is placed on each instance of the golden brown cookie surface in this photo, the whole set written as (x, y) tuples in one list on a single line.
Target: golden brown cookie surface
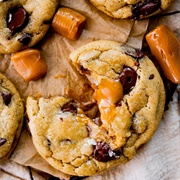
[(129, 96), (23, 23)]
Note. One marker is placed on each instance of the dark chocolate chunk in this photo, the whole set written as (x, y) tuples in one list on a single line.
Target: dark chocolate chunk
[(17, 19), (104, 153), (69, 107), (151, 76), (48, 142), (145, 8), (128, 79), (25, 39), (97, 120), (6, 97), (2, 141), (84, 71)]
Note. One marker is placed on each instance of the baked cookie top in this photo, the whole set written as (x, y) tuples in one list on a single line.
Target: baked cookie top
[(11, 117), (134, 9), (23, 23), (85, 138)]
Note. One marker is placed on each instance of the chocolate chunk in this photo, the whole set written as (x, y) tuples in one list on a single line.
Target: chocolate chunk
[(6, 97), (104, 153), (48, 142), (128, 79), (151, 76), (2, 141), (84, 71), (17, 19), (25, 39), (69, 107), (145, 8), (97, 120)]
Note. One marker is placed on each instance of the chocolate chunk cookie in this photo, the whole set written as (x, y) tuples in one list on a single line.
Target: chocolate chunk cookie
[(129, 97), (11, 117), (135, 9), (23, 23)]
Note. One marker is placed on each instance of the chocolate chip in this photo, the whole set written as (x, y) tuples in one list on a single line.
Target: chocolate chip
[(69, 107), (25, 39), (61, 119), (128, 79), (48, 142), (2, 141), (84, 70), (17, 19), (6, 97), (97, 121), (151, 76), (145, 8), (104, 153)]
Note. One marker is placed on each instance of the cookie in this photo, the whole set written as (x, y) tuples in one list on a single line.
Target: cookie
[(23, 23), (126, 106), (11, 117), (134, 9)]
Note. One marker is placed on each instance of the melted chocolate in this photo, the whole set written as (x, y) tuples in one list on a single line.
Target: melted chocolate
[(25, 39), (104, 153), (69, 107), (17, 19), (145, 8), (128, 79)]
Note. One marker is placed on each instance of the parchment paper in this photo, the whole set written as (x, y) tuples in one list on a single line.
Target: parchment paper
[(62, 78)]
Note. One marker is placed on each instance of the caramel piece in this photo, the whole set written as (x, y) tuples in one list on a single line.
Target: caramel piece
[(107, 94), (29, 64), (165, 47), (68, 23)]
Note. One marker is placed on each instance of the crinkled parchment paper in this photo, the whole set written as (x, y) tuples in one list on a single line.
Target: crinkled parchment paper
[(156, 160)]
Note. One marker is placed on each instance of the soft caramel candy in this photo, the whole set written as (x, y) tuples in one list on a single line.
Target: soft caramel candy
[(165, 47), (68, 23), (107, 94), (29, 64)]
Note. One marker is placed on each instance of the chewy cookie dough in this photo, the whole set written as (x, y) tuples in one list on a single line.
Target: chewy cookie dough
[(134, 9), (128, 104), (11, 117), (24, 22)]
